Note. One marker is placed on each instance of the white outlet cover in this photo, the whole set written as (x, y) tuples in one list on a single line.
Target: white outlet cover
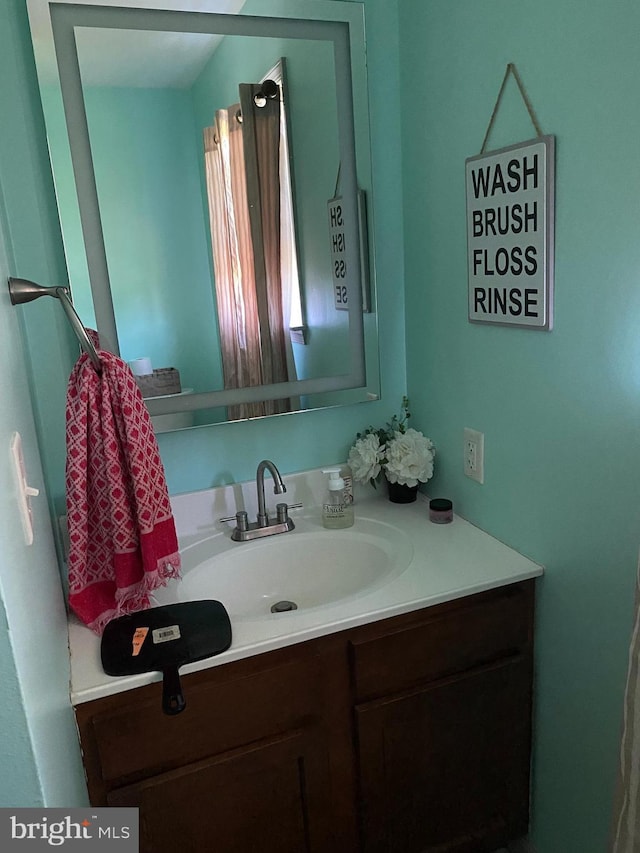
[(474, 454)]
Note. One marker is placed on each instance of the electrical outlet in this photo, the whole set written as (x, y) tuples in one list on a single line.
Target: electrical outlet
[(474, 454)]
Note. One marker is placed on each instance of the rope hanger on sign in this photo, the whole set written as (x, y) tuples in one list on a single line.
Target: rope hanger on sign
[(511, 69)]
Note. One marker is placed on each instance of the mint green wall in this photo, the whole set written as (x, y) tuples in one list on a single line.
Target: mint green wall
[(34, 232), (146, 162), (561, 410), (39, 753)]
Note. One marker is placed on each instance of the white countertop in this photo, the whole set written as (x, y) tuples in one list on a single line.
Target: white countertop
[(448, 561)]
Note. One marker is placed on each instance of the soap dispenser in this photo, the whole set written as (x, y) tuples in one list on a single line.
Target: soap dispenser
[(336, 514)]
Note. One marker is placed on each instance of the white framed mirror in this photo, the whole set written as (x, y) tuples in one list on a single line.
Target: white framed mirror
[(129, 95)]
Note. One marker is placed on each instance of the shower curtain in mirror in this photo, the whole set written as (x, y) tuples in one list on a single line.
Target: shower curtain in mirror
[(626, 821), (243, 186)]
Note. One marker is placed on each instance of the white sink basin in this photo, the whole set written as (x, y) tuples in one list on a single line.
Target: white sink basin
[(309, 566)]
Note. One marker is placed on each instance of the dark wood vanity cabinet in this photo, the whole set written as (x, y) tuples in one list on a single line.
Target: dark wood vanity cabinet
[(407, 735)]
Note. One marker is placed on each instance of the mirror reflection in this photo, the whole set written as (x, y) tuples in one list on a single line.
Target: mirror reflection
[(213, 180)]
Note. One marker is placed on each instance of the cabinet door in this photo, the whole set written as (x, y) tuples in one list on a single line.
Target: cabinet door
[(446, 767), (269, 797)]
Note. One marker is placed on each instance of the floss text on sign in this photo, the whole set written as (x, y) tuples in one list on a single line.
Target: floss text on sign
[(510, 234)]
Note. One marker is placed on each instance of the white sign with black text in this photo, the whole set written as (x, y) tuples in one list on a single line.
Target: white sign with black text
[(510, 209)]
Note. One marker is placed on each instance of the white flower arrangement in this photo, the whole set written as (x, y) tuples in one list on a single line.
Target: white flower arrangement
[(403, 454), (366, 457)]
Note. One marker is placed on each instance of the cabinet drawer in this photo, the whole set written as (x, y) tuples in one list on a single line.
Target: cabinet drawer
[(227, 711), (447, 639)]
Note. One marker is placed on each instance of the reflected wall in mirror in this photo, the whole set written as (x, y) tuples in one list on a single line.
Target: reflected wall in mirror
[(144, 105)]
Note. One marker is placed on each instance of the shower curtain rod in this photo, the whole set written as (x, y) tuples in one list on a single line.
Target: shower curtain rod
[(21, 291)]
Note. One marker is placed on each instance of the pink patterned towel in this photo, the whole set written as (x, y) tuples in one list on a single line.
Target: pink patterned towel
[(122, 535)]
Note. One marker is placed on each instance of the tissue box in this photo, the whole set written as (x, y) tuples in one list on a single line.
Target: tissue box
[(163, 380)]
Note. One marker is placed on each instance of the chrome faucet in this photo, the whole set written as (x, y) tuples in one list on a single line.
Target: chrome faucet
[(278, 488), (264, 526)]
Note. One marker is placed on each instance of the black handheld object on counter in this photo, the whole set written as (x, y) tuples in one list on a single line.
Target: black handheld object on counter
[(162, 639)]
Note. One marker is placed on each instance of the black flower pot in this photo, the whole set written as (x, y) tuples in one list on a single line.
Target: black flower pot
[(401, 494)]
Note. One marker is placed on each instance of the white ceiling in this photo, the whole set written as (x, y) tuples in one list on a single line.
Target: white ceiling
[(130, 58)]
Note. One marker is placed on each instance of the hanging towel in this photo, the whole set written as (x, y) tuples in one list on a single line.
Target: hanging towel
[(122, 537)]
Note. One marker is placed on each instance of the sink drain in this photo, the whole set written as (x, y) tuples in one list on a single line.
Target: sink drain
[(283, 606)]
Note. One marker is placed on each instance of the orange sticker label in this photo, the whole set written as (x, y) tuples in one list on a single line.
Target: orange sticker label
[(138, 639)]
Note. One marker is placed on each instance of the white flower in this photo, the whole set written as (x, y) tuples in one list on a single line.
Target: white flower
[(409, 458), (365, 458)]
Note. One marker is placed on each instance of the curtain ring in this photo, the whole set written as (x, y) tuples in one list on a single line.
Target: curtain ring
[(268, 91)]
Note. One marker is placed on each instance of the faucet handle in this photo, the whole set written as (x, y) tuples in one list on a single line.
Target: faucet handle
[(240, 518), (282, 513)]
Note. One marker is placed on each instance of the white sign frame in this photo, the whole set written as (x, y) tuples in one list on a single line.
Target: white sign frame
[(510, 234)]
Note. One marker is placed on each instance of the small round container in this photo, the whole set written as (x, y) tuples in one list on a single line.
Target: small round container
[(440, 511)]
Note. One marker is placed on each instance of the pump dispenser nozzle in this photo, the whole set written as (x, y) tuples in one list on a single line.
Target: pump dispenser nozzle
[(335, 480)]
